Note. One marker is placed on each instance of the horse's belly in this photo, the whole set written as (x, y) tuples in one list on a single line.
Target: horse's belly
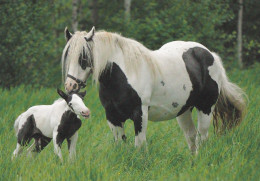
[(168, 98), (161, 113)]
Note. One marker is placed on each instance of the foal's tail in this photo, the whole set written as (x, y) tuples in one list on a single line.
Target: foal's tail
[(16, 124), (231, 105)]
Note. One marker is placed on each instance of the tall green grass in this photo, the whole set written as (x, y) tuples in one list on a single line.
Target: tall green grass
[(233, 156)]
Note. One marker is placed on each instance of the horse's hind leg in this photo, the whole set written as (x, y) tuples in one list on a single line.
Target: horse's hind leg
[(187, 125), (203, 127)]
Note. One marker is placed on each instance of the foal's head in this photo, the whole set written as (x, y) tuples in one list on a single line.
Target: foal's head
[(75, 102)]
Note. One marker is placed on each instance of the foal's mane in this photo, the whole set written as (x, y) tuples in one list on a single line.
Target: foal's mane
[(109, 44)]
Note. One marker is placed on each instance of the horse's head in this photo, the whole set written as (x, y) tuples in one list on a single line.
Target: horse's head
[(75, 102), (77, 59)]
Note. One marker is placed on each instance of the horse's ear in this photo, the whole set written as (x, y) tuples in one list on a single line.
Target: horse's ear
[(82, 94), (62, 94), (68, 34), (90, 34)]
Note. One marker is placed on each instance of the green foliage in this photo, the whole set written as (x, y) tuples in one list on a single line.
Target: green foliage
[(29, 54), (233, 156), (32, 36)]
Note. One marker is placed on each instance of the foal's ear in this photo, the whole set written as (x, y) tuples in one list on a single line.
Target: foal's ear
[(62, 94), (82, 94), (90, 34), (68, 34)]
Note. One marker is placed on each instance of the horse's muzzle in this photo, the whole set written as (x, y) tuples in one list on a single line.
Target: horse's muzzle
[(71, 85)]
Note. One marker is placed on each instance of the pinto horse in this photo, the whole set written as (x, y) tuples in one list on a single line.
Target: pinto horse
[(140, 84), (58, 121)]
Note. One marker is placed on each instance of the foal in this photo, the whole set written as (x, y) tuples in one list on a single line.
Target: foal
[(58, 121)]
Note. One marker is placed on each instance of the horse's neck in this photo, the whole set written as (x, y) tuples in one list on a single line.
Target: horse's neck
[(60, 106), (128, 54)]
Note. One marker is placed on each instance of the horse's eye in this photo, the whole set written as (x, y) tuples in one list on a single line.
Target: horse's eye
[(82, 62)]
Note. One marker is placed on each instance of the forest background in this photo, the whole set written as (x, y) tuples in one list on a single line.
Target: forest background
[(32, 32)]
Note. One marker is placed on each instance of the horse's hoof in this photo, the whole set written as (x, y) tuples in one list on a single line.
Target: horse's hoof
[(124, 138)]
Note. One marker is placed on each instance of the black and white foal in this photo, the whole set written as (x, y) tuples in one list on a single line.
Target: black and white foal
[(59, 121)]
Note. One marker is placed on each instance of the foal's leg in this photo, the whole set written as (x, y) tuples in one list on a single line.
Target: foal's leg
[(118, 131), (17, 151), (203, 127), (72, 145), (57, 141), (187, 125), (140, 119), (31, 148)]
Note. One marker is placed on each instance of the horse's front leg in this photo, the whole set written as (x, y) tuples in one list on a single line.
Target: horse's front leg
[(117, 130), (140, 118)]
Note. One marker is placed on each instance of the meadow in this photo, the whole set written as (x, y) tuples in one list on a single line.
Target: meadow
[(232, 156)]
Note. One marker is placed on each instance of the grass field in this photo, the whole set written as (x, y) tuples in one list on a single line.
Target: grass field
[(233, 156)]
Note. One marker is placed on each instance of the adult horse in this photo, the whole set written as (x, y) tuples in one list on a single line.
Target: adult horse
[(139, 84)]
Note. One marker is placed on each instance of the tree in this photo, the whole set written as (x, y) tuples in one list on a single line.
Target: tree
[(75, 12), (127, 5), (239, 33), (94, 10)]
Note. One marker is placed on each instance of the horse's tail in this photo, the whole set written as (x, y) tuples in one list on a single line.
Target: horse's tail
[(231, 105)]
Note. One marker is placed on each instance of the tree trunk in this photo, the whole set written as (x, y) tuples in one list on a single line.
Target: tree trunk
[(127, 5), (75, 12), (239, 32), (94, 15)]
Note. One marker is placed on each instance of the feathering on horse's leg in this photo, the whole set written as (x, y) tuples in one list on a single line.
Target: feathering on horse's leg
[(140, 122), (203, 126), (186, 124), (118, 131)]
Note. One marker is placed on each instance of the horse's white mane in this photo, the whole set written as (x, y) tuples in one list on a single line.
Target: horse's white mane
[(133, 53), (109, 44)]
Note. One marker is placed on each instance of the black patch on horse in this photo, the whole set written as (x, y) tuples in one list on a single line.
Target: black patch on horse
[(68, 126), (26, 132), (119, 99), (162, 82), (41, 141), (29, 131), (66, 53), (83, 60), (175, 104), (204, 92)]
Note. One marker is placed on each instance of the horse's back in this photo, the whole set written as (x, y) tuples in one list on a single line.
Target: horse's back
[(181, 45), (185, 78), (41, 114)]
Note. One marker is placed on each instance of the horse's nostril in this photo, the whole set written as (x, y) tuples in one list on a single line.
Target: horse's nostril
[(74, 86)]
